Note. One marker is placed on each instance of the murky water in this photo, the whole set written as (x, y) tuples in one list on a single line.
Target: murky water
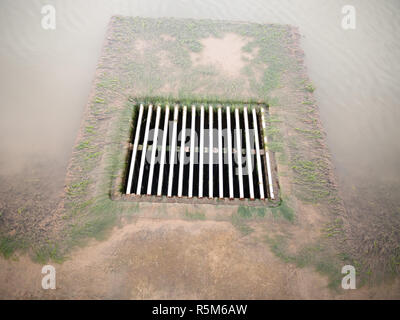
[(45, 79)]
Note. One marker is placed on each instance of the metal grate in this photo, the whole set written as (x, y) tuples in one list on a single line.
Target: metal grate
[(200, 151)]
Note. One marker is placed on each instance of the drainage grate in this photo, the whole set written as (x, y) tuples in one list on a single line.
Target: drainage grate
[(200, 151)]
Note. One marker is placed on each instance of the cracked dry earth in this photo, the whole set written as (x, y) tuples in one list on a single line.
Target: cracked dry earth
[(172, 259)]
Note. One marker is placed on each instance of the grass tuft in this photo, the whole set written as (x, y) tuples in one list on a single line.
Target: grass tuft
[(8, 245), (195, 215)]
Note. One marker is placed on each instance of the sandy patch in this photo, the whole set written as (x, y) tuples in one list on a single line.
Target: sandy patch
[(174, 259), (167, 260), (225, 54), (141, 45), (165, 60), (167, 37)]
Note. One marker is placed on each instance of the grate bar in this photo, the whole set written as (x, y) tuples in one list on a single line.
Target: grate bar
[(259, 170), (153, 152), (134, 152), (210, 153), (142, 161), (248, 153), (172, 158), (230, 166), (269, 174), (163, 151), (192, 151), (239, 154), (201, 165), (220, 155), (182, 152)]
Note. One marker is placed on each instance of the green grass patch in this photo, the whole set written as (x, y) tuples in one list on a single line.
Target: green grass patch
[(309, 87), (316, 255), (315, 134), (311, 179), (83, 145), (284, 210), (48, 252), (333, 228), (8, 245), (245, 214), (240, 221), (248, 212), (97, 223), (195, 215), (90, 129), (77, 188), (99, 100), (394, 261), (275, 146)]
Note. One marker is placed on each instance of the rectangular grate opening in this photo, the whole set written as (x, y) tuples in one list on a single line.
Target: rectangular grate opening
[(200, 151)]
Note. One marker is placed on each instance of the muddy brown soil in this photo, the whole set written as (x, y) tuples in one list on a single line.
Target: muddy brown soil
[(29, 200), (158, 259), (215, 53)]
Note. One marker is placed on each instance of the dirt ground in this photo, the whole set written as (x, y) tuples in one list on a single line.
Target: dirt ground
[(174, 259), (214, 53)]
